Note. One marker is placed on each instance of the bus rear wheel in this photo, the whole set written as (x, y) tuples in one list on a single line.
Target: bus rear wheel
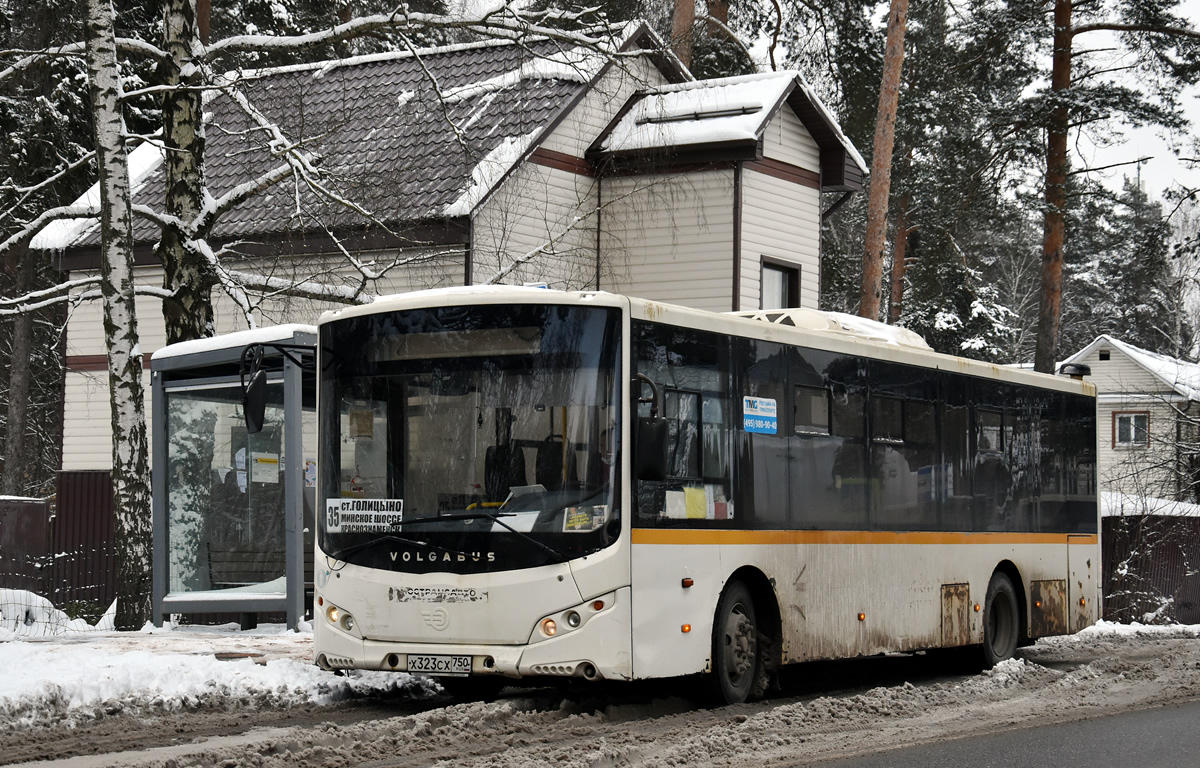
[(736, 654), (1001, 624)]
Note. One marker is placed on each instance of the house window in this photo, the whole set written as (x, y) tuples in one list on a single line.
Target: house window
[(1131, 429), (1105, 354), (780, 286)]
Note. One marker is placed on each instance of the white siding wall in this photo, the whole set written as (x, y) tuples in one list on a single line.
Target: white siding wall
[(788, 140), (670, 238), (1123, 385), (541, 209), (594, 112), (780, 220), (87, 428)]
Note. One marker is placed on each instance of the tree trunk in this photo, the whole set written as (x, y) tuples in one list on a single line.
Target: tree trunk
[(131, 469), (17, 458), (185, 272), (899, 262), (881, 162), (681, 30), (1055, 224)]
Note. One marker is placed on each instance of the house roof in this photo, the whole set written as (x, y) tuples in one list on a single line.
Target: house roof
[(1180, 376), (380, 133), (728, 112)]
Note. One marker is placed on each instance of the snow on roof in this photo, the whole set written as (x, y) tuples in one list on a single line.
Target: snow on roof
[(717, 110), (369, 118), (1113, 504), (1181, 376), (57, 235), (488, 171), (236, 340), (838, 322), (700, 112), (834, 125)]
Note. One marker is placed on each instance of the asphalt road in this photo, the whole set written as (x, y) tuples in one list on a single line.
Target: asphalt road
[(1166, 737)]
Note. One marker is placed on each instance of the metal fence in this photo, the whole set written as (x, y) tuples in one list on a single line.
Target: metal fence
[(58, 556), (1152, 569)]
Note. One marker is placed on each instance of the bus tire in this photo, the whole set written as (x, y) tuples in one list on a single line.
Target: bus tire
[(1001, 622), (736, 647)]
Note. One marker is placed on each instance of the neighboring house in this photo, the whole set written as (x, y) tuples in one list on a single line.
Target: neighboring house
[(527, 163), (1148, 409)]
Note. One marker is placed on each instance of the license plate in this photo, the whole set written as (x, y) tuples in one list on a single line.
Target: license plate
[(439, 665)]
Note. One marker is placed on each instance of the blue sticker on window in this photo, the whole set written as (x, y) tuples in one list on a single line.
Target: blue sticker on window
[(759, 415)]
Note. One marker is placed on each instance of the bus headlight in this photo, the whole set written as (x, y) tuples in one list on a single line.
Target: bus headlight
[(340, 618), (549, 627)]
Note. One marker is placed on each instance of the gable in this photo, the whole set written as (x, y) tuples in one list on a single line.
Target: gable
[(1130, 369), (720, 121)]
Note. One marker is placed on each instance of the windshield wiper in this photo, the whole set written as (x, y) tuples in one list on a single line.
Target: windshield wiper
[(494, 517), (339, 555)]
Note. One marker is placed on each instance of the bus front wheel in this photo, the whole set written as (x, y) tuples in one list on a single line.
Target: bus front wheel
[(1001, 625), (736, 655)]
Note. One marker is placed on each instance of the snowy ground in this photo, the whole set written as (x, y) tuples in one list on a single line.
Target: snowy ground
[(192, 696)]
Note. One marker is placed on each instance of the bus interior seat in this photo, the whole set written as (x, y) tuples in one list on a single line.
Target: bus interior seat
[(549, 467), (503, 467)]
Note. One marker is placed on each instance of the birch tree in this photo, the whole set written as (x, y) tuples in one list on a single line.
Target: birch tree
[(193, 268), (131, 467)]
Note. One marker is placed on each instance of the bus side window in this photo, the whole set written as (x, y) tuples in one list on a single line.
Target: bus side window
[(850, 463), (682, 411), (810, 408)]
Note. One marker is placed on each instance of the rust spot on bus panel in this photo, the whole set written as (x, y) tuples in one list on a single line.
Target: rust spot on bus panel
[(1048, 608), (956, 615)]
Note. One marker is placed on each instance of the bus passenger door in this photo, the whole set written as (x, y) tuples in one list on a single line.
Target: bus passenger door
[(1083, 564)]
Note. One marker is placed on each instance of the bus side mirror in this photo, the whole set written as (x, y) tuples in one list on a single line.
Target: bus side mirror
[(254, 392), (254, 402), (650, 452)]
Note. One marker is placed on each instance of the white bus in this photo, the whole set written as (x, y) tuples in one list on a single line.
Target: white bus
[(521, 483)]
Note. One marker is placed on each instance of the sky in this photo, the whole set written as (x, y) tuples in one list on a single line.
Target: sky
[(1163, 169)]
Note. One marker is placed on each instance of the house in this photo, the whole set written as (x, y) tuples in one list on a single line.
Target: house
[(494, 162), (1148, 410)]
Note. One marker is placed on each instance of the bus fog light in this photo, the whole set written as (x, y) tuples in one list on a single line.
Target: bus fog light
[(573, 619), (347, 622), (549, 628)]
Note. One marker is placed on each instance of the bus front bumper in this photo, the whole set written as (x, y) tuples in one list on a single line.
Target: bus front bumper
[(599, 649)]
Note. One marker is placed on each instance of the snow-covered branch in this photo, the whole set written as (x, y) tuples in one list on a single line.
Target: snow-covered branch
[(62, 294), (505, 22), (31, 228)]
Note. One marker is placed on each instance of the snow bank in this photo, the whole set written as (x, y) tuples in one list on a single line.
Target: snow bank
[(56, 683), (25, 614)]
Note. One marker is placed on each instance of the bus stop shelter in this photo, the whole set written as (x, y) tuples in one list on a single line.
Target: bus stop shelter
[(233, 511)]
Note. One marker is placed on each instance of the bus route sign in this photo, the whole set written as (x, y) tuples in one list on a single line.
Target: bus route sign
[(759, 415)]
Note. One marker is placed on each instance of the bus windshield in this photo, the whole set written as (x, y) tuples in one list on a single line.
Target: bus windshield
[(469, 438)]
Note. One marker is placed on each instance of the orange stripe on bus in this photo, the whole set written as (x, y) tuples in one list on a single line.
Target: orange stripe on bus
[(673, 536)]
